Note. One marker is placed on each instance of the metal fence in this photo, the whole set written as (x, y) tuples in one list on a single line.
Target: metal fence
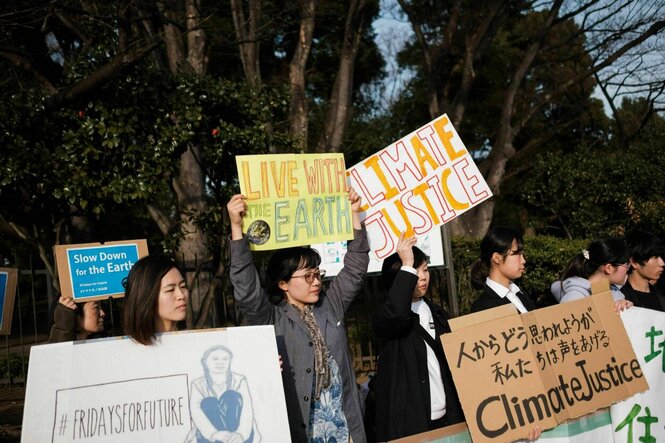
[(36, 299)]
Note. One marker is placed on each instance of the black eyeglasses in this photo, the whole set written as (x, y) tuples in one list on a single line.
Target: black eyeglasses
[(310, 276)]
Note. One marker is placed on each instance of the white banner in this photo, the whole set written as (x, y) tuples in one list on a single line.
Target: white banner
[(189, 386), (641, 418)]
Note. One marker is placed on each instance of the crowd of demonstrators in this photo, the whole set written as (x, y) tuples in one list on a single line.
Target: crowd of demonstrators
[(412, 390), (322, 399)]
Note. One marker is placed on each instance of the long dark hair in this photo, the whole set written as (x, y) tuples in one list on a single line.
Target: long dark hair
[(499, 239), (142, 288), (598, 253), (284, 263), (393, 263)]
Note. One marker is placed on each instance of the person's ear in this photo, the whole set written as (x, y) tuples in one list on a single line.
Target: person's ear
[(497, 258), (606, 268), (282, 285), (633, 263)]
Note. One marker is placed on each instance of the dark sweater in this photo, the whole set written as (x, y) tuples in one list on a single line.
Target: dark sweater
[(653, 299)]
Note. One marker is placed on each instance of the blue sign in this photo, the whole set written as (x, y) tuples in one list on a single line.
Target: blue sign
[(99, 271), (3, 292)]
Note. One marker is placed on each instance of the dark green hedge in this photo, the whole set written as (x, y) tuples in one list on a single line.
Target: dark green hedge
[(546, 257)]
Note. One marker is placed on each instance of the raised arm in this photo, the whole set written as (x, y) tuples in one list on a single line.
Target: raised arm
[(349, 282), (64, 321), (247, 291), (393, 316)]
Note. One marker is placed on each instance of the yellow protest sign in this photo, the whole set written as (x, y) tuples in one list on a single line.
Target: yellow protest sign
[(294, 199)]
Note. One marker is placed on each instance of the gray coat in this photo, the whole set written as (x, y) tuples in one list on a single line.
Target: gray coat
[(293, 342)]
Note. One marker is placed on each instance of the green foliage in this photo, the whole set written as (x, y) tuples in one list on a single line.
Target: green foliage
[(546, 258), (601, 191), (111, 155)]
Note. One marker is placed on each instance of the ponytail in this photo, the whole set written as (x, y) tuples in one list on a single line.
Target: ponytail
[(599, 253), (478, 274), (499, 239)]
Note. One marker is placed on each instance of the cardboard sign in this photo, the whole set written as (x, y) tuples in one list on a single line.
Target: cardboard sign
[(641, 417), (294, 199), (8, 282), (188, 385), (542, 367), (95, 271), (332, 254), (417, 183)]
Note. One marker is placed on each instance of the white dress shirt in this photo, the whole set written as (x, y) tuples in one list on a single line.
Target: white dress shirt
[(509, 292), (436, 391)]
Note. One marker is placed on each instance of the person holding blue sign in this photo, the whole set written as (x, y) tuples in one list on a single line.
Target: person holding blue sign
[(155, 298), (322, 399), (76, 322)]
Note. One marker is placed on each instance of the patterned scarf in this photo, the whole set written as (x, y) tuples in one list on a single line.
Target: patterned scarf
[(321, 368)]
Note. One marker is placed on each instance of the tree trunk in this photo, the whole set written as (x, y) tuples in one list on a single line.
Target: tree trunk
[(196, 38), (175, 50), (428, 59), (339, 107), (193, 246), (189, 185), (248, 42), (477, 45), (298, 105), (477, 221)]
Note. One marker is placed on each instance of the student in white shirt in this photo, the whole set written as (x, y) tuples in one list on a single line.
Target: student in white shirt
[(501, 262), (413, 388)]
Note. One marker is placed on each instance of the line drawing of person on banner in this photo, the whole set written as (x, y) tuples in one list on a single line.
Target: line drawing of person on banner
[(220, 402)]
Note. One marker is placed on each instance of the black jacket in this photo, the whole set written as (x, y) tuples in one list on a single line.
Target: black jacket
[(649, 300), (401, 385), (489, 299)]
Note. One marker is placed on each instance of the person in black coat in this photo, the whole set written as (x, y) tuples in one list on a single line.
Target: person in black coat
[(501, 262), (413, 388), (647, 253)]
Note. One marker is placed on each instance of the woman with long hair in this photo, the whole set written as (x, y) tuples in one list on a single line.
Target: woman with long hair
[(603, 259), (155, 298)]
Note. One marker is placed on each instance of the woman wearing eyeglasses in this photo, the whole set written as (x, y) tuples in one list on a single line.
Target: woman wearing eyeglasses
[(604, 258), (319, 382)]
